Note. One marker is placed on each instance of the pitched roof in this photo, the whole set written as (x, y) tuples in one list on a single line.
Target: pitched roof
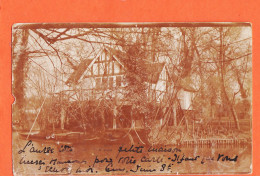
[(75, 76), (185, 83), (152, 70), (117, 53)]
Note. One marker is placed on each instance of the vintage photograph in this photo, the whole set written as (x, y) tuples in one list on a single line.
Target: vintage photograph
[(132, 98)]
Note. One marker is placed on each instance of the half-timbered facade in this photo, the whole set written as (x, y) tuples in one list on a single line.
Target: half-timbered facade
[(104, 77), (106, 73)]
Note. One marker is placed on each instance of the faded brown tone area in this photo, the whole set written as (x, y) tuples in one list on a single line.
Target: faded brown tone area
[(145, 85)]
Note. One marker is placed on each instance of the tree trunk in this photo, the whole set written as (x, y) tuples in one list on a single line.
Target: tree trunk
[(222, 57), (19, 75)]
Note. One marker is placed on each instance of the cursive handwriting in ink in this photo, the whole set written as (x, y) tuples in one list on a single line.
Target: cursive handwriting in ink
[(183, 158), (104, 160), (32, 149), (226, 158), (163, 149), (26, 145), (109, 169), (158, 159), (139, 168), (65, 148), (56, 161), (134, 149), (164, 166), (79, 170), (33, 162), (52, 169), (204, 159), (127, 160)]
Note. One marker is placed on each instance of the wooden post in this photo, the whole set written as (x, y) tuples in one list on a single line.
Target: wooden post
[(114, 116), (114, 123), (193, 129), (174, 115), (62, 118)]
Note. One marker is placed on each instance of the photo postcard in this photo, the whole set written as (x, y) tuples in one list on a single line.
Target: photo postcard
[(132, 98)]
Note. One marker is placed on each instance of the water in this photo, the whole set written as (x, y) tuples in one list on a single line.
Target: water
[(87, 153)]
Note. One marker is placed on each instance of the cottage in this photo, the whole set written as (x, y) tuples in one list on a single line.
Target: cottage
[(105, 77)]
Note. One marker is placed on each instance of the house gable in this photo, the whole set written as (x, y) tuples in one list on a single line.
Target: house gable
[(107, 72), (76, 75), (105, 64)]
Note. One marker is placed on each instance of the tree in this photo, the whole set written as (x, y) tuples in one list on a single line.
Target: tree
[(212, 59)]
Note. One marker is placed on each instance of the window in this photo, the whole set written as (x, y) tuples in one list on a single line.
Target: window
[(104, 82), (105, 68), (102, 57), (111, 82), (110, 68), (118, 81), (95, 69), (101, 68), (98, 83), (116, 67)]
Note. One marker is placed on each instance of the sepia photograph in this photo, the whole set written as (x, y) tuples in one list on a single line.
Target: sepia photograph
[(132, 98)]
